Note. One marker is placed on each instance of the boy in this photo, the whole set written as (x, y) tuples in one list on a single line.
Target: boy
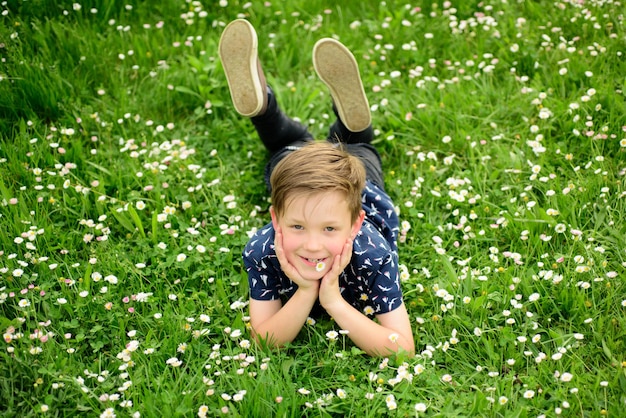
[(331, 244)]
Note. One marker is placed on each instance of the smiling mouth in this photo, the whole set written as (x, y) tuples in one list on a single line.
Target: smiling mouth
[(318, 263)]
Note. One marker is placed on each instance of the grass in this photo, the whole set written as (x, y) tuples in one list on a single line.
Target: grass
[(129, 185)]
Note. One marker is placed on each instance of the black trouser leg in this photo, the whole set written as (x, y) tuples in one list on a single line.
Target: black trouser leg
[(276, 129)]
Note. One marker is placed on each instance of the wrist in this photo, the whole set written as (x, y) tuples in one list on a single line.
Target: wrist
[(333, 306)]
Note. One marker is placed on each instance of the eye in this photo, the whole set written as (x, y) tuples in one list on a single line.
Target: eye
[(298, 227), (330, 229)]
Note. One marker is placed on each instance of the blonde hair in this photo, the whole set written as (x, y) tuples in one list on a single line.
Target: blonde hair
[(318, 167)]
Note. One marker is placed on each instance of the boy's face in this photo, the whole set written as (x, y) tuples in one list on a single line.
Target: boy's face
[(315, 229)]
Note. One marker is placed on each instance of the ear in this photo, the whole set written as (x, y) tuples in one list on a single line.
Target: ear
[(356, 226), (274, 218)]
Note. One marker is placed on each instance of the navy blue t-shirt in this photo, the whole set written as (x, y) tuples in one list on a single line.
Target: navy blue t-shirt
[(370, 282)]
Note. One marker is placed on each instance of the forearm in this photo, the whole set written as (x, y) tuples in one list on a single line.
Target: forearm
[(373, 338), (284, 325)]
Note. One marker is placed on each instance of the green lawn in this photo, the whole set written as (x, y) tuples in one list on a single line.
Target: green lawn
[(129, 186)]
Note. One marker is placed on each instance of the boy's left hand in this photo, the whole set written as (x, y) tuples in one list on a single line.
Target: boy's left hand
[(329, 287)]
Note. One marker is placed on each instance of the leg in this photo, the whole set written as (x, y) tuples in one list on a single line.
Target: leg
[(371, 160), (280, 134), (338, 132), (276, 129), (238, 50), (338, 69), (249, 92)]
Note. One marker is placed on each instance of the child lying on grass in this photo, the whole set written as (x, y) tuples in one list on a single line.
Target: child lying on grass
[(331, 245)]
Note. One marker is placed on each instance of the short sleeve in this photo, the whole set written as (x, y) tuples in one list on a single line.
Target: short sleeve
[(265, 278)]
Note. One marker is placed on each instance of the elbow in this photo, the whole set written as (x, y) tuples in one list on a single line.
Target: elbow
[(408, 345), (405, 348), (402, 347), (266, 340), (409, 350), (403, 344)]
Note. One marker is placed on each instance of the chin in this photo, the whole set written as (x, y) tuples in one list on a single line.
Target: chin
[(311, 278)]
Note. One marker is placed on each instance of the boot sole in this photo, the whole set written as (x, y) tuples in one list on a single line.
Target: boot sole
[(239, 55), (337, 68)]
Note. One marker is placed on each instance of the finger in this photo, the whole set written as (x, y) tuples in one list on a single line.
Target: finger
[(289, 270), (336, 269), (280, 253), (341, 260), (278, 240), (278, 247), (347, 248), (346, 253), (330, 282)]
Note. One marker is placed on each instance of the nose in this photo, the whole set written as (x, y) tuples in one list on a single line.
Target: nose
[(313, 242)]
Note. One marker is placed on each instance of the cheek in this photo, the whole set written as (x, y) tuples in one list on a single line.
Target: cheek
[(290, 244), (336, 245)]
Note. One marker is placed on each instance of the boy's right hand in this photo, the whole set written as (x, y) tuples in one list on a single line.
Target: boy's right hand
[(290, 271)]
